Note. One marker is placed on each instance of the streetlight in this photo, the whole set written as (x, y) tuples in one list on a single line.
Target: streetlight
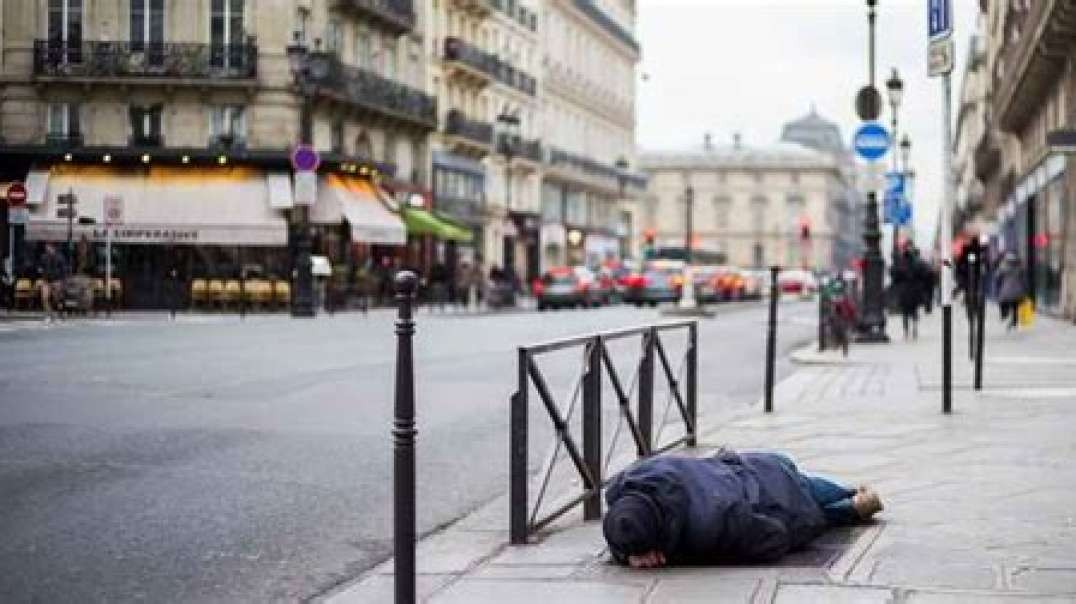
[(621, 165), (905, 158), (303, 298), (872, 325), (508, 140), (895, 88)]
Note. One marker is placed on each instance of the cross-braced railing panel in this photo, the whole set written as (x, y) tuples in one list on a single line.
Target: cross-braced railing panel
[(631, 385)]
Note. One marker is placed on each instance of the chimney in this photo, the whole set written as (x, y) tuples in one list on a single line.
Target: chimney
[(737, 141)]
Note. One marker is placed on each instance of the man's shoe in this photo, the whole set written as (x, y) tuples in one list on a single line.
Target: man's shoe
[(866, 503)]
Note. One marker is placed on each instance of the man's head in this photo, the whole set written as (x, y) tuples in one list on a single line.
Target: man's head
[(632, 525)]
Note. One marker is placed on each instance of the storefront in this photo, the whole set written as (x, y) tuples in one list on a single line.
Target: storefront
[(1033, 229), (175, 223)]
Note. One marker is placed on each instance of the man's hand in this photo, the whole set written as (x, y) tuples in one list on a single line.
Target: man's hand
[(653, 559)]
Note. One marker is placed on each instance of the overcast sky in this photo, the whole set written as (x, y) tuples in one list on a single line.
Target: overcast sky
[(749, 66)]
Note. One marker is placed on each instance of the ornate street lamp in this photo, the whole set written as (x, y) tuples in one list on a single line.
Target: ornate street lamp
[(872, 324), (508, 143), (302, 304)]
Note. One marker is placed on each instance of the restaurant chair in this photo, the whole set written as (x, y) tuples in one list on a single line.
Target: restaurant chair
[(282, 293), (216, 292), (199, 293), (26, 295)]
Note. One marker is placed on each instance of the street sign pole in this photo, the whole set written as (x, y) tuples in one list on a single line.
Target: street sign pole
[(940, 63), (947, 249)]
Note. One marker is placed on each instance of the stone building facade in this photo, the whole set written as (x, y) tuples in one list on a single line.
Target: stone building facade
[(590, 55), (143, 97), (1024, 155), (753, 206)]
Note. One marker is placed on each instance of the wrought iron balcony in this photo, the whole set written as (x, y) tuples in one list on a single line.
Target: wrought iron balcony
[(520, 147), (607, 23), (370, 91), (65, 141), (471, 56), (145, 60), (472, 130), (515, 78), (146, 140), (397, 16), (469, 211)]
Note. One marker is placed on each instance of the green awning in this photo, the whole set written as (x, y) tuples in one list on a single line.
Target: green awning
[(422, 222)]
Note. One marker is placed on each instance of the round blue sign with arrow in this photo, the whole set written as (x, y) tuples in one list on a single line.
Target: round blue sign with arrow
[(871, 141)]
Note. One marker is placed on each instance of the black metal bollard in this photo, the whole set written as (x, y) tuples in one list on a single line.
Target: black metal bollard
[(403, 433), (771, 338), (174, 298), (980, 329), (822, 320), (971, 303)]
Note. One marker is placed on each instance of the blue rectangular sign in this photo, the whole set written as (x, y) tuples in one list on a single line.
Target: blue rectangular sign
[(894, 197), (940, 18)]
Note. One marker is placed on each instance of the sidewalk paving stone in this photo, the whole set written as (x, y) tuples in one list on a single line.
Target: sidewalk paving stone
[(981, 504)]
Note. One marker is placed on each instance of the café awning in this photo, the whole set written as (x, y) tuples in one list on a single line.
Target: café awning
[(355, 200), (226, 205), (422, 222)]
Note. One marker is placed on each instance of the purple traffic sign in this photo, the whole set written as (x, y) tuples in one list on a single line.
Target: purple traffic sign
[(305, 159)]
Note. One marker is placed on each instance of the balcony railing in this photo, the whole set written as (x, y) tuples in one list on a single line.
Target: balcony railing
[(515, 78), (459, 125), (521, 147), (607, 23), (371, 91), (64, 140), (476, 58), (469, 211), (144, 60), (396, 15), (472, 56)]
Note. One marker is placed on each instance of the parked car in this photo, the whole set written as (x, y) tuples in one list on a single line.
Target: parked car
[(754, 283), (566, 287), (798, 282), (706, 279), (653, 287)]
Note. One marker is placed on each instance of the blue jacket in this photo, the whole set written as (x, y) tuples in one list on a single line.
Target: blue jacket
[(729, 507)]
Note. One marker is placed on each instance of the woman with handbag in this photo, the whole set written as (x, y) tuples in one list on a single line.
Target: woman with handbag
[(1012, 286)]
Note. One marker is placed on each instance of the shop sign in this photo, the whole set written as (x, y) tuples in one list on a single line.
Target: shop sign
[(113, 210)]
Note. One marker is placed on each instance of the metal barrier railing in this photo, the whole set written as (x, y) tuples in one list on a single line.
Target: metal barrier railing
[(589, 464)]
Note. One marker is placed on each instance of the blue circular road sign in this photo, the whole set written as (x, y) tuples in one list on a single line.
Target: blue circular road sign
[(871, 141), (305, 159)]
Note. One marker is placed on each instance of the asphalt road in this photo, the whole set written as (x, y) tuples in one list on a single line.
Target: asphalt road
[(216, 460)]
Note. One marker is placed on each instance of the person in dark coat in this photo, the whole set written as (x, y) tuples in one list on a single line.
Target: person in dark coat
[(907, 282), (731, 507)]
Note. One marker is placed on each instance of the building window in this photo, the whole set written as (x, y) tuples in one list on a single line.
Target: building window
[(337, 142), (759, 255), (391, 59), (363, 147), (65, 30), (147, 26), (302, 21), (63, 122), (146, 126), (226, 33), (364, 50), (389, 156), (758, 214), (334, 36), (227, 126), (722, 205), (794, 209)]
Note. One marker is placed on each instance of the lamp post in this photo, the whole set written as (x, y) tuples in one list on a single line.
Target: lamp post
[(872, 326), (303, 299), (622, 184), (905, 158), (508, 143), (895, 91), (687, 296)]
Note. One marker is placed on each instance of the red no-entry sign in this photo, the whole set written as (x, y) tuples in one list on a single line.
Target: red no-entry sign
[(16, 195)]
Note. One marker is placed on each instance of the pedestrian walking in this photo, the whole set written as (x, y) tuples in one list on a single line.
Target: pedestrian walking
[(438, 280), (907, 282), (1011, 288), (52, 271), (928, 283), (731, 507)]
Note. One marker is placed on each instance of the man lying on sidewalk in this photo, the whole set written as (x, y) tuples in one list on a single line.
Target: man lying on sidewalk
[(732, 507)]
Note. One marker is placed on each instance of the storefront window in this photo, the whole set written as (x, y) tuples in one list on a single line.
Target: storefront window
[(576, 207), (552, 204)]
